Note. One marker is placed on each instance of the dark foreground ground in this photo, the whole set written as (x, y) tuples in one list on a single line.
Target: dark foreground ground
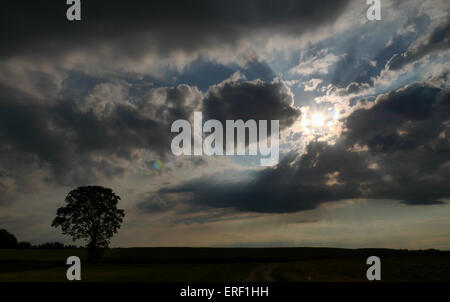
[(226, 264)]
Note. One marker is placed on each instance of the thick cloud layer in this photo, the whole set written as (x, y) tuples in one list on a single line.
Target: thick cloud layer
[(255, 100), (79, 140), (137, 27), (398, 149), (98, 136)]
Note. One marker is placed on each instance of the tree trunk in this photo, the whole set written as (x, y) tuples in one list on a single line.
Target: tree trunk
[(92, 253)]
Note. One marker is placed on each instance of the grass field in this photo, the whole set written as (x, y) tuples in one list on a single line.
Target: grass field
[(226, 264)]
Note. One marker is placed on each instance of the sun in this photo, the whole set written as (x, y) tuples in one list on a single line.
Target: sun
[(320, 125), (318, 120)]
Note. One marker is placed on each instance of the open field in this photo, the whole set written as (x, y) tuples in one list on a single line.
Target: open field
[(226, 264)]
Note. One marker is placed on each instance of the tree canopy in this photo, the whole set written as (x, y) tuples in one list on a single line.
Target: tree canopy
[(91, 214), (7, 240)]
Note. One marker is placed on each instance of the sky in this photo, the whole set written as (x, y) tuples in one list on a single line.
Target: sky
[(363, 108)]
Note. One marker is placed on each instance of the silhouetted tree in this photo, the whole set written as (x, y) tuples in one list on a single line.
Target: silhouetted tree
[(24, 245), (90, 213), (54, 245), (7, 240)]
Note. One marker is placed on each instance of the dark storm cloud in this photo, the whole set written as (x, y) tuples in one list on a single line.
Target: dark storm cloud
[(135, 27), (255, 100), (407, 133), (296, 184), (437, 39), (399, 149), (408, 117), (86, 139), (76, 142)]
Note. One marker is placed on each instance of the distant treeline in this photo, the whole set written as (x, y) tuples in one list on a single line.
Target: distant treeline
[(9, 241)]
